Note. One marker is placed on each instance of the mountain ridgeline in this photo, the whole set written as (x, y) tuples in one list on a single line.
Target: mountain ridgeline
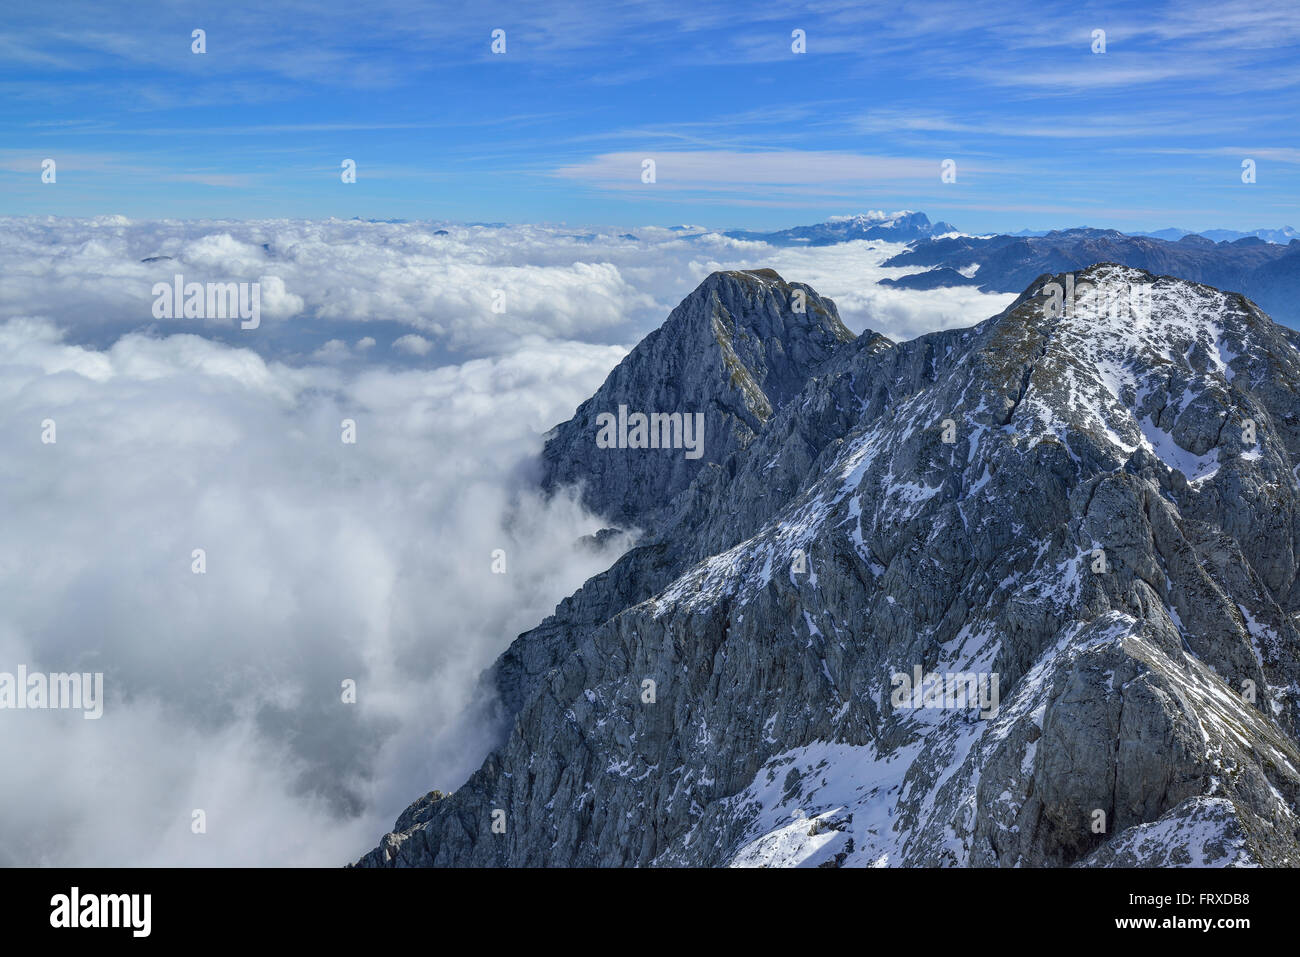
[(1093, 516), (1269, 273), (904, 226)]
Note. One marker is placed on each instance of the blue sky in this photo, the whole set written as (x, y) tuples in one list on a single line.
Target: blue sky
[(744, 132)]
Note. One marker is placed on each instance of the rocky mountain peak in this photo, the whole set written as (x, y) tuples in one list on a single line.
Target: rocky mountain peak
[(732, 352), (1020, 594)]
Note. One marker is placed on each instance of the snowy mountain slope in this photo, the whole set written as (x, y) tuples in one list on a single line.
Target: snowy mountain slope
[(1100, 511)]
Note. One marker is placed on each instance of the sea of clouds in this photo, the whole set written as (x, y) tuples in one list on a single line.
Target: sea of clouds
[(325, 561)]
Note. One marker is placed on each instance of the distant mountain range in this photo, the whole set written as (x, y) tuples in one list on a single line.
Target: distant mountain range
[(908, 226), (903, 226), (1268, 273), (1264, 264), (1281, 236)]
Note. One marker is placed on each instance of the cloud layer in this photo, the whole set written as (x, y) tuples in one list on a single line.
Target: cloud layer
[(325, 561), (464, 290)]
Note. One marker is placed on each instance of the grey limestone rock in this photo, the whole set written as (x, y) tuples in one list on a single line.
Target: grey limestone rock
[(1099, 512)]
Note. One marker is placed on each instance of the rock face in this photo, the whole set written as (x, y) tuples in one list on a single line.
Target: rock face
[(734, 351), (1089, 519)]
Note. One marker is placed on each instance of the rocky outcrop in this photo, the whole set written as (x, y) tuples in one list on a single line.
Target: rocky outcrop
[(1089, 520), (733, 352)]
